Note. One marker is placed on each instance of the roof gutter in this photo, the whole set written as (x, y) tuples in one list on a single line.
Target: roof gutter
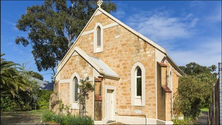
[(174, 65)]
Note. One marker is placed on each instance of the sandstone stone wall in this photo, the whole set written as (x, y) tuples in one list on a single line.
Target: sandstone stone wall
[(163, 97), (75, 64), (160, 95), (121, 50)]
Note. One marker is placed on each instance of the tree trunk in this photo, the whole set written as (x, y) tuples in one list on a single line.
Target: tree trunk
[(69, 40)]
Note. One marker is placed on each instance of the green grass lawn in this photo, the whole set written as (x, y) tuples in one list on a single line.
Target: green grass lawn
[(22, 117), (205, 109)]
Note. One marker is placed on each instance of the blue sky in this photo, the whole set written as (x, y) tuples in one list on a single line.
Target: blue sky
[(190, 31)]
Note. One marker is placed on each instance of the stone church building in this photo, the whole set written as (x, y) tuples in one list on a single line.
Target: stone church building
[(135, 80)]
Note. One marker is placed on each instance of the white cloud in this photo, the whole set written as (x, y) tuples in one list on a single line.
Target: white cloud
[(215, 15), (180, 35), (119, 13), (196, 4), (190, 15), (207, 53), (161, 26), (16, 49), (12, 24), (194, 22)]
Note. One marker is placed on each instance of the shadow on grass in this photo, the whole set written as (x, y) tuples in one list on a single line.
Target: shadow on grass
[(21, 117)]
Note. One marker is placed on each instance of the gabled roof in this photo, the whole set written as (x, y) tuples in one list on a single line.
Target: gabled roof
[(106, 69), (144, 38), (100, 10), (49, 86), (96, 63), (133, 31), (42, 84)]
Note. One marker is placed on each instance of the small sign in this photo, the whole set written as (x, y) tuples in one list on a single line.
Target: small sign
[(138, 111)]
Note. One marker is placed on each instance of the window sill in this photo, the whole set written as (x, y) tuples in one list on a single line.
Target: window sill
[(138, 105), (98, 51), (138, 97)]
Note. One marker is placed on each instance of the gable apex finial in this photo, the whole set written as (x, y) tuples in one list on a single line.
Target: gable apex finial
[(99, 3)]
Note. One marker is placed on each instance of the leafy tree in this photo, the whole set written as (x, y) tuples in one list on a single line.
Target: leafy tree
[(195, 89), (206, 80), (36, 75), (17, 88), (13, 85), (43, 99), (85, 87), (11, 79), (53, 26), (190, 97), (30, 97), (195, 69)]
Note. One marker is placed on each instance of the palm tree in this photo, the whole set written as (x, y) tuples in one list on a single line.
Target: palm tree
[(13, 84)]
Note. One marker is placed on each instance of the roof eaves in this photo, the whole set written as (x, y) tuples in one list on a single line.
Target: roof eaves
[(77, 39), (114, 76), (175, 65), (85, 57)]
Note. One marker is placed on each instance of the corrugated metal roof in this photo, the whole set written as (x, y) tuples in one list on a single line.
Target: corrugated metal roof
[(106, 69), (44, 85), (41, 83)]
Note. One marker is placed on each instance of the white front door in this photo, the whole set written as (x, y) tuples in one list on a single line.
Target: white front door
[(110, 104)]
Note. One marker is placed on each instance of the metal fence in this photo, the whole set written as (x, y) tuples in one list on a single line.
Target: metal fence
[(215, 111)]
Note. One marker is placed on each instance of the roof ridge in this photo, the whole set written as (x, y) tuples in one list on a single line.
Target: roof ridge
[(122, 24)]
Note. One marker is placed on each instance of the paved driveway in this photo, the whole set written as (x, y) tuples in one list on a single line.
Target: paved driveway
[(203, 119)]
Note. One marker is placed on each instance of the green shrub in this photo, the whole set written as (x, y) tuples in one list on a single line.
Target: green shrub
[(47, 116), (7, 104), (43, 99), (66, 119), (182, 122), (10, 105)]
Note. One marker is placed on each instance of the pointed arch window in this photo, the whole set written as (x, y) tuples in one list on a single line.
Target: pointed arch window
[(98, 38), (75, 89), (98, 29), (138, 82), (138, 85), (170, 80)]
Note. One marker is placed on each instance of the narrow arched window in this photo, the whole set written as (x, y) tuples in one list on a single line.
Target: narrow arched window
[(98, 36), (75, 89), (138, 82), (138, 85), (170, 81)]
